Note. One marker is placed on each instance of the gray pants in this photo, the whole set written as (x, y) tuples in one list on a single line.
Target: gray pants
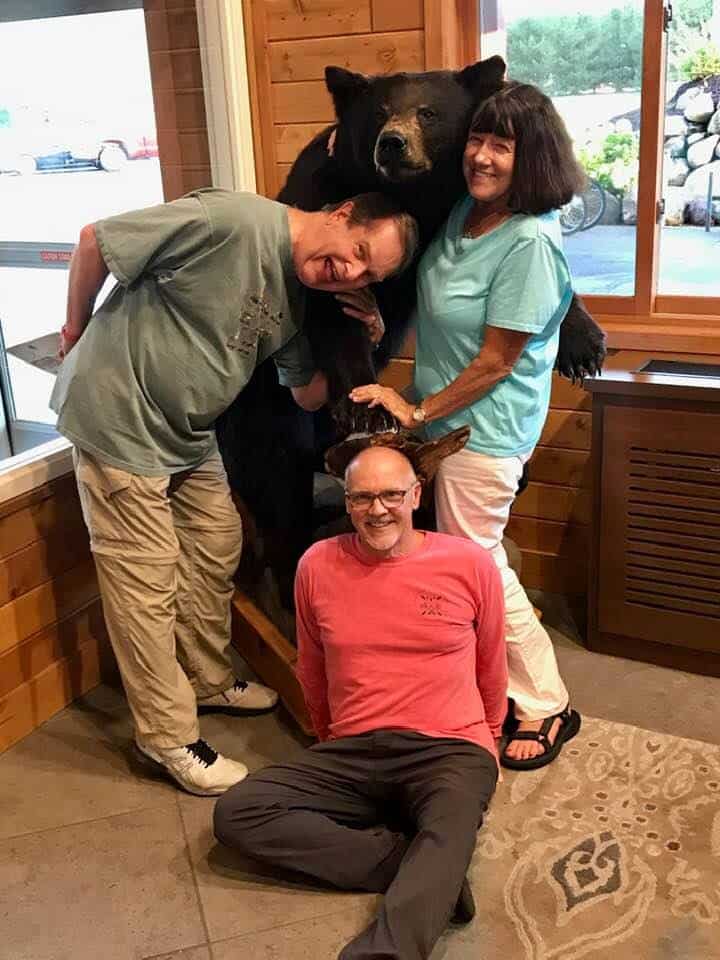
[(388, 811)]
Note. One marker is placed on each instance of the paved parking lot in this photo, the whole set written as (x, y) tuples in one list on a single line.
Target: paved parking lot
[(602, 261)]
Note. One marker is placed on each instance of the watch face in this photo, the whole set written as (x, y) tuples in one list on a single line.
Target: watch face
[(418, 414)]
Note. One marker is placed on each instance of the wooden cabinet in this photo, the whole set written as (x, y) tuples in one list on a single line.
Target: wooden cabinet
[(655, 565)]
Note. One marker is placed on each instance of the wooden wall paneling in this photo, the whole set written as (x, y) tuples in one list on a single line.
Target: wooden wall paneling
[(568, 396), (178, 110), (288, 19), (59, 641), (257, 48), (552, 502), (565, 428), (291, 138), (36, 515), (397, 15), (150, 5), (46, 604), (397, 374), (307, 100), (377, 53), (269, 654), (184, 149), (175, 69), (554, 574), (652, 122), (43, 560), (171, 28), (34, 702), (438, 45), (549, 536), (553, 465), (452, 34)]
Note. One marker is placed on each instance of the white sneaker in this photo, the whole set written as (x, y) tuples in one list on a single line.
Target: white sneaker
[(197, 767), (241, 698)]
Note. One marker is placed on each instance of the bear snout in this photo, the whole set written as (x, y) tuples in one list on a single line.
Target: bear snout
[(390, 145), (400, 149)]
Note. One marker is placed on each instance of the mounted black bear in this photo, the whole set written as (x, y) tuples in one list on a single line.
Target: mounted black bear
[(404, 135)]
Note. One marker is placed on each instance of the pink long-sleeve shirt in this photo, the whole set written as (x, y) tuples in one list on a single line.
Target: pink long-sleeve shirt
[(412, 643)]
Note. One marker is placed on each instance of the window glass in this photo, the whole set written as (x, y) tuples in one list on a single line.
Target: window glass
[(587, 56), (690, 238), (77, 143)]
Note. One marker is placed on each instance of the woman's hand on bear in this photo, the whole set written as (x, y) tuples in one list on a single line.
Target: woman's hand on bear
[(362, 305), (376, 396)]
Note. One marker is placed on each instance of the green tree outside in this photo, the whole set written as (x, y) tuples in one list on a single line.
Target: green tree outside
[(577, 54)]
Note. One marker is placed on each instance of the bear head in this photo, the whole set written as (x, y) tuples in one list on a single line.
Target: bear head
[(393, 132)]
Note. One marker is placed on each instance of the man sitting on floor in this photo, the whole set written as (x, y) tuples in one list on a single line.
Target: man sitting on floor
[(403, 667)]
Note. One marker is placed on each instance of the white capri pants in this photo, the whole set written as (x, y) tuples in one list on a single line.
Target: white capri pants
[(473, 496)]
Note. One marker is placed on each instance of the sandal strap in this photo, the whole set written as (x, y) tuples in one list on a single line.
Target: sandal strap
[(538, 735), (541, 736)]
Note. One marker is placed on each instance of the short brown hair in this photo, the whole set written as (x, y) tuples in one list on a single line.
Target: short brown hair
[(367, 207), (546, 173)]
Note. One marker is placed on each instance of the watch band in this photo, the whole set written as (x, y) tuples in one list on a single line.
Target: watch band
[(419, 413)]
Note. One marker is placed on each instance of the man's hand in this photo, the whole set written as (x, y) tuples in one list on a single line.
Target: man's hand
[(362, 305), (67, 342), (376, 396)]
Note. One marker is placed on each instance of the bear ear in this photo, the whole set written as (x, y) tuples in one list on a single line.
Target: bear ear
[(344, 86), (482, 78)]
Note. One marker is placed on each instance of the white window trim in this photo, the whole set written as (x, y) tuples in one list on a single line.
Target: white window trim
[(30, 470), (227, 93)]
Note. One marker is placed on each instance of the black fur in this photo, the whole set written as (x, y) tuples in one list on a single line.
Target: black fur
[(271, 447)]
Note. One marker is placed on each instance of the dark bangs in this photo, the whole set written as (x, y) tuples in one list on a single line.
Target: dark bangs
[(498, 116)]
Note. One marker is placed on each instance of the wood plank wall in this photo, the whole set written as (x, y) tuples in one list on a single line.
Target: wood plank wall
[(176, 72), (53, 643), (289, 46)]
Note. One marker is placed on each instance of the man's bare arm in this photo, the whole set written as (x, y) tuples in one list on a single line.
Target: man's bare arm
[(88, 272)]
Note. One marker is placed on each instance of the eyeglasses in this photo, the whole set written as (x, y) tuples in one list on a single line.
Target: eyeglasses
[(388, 498)]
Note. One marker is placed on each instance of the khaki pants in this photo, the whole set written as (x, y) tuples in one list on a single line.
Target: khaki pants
[(166, 549), (473, 497)]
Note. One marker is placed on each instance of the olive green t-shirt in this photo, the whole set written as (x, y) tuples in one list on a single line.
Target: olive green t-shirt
[(206, 290)]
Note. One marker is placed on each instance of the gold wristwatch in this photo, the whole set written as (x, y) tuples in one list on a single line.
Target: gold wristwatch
[(419, 414)]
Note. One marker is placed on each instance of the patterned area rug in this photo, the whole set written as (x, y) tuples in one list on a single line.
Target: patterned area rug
[(611, 852)]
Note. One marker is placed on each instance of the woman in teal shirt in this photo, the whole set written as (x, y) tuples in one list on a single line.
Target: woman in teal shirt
[(493, 289)]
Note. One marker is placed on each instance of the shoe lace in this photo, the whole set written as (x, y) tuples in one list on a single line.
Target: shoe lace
[(202, 751), (240, 685)]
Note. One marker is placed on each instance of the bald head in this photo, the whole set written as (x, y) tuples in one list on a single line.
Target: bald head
[(382, 491), (379, 468)]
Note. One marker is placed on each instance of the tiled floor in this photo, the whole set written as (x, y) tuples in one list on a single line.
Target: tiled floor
[(98, 860)]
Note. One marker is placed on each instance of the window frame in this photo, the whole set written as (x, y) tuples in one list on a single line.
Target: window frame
[(665, 322)]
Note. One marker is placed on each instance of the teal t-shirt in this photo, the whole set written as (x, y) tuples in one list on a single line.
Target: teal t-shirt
[(206, 289), (515, 277)]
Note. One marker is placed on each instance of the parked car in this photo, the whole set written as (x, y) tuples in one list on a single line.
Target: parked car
[(80, 149)]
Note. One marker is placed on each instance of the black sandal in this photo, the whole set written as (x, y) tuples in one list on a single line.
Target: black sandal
[(569, 726)]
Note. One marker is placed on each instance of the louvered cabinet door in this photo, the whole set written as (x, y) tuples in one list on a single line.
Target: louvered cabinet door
[(659, 540)]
